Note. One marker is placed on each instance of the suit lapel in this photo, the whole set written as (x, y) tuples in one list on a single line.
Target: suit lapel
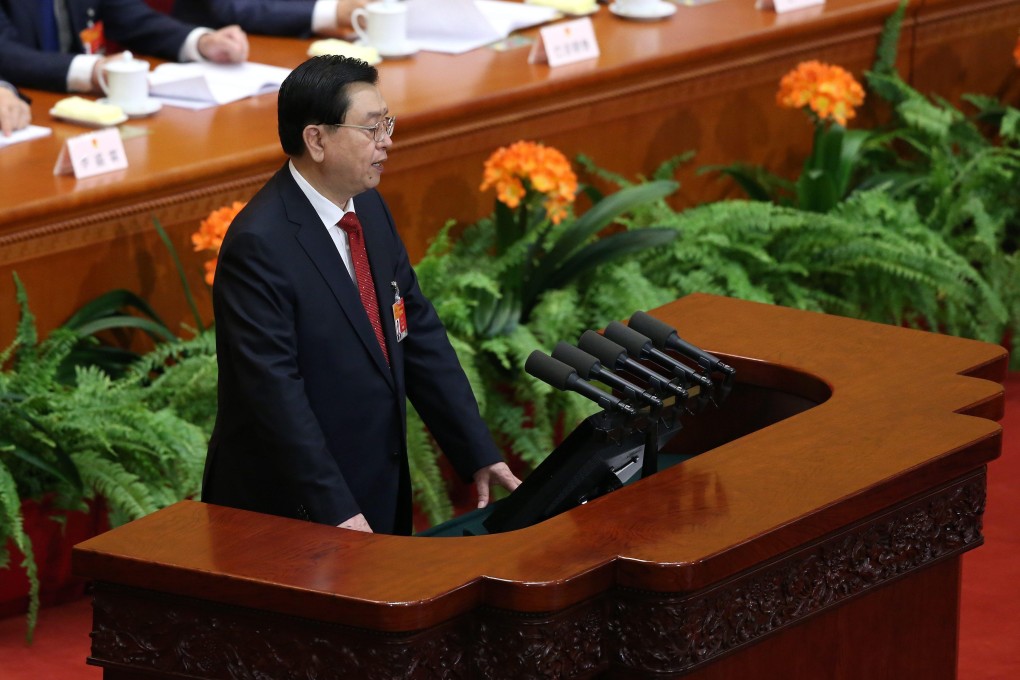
[(320, 249)]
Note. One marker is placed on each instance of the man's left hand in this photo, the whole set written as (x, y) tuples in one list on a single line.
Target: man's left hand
[(497, 473), (229, 45), (14, 113)]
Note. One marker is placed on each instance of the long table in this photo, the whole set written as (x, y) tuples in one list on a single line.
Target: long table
[(704, 80), (818, 534)]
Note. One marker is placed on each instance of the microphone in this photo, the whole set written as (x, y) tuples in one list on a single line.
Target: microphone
[(615, 357), (640, 346), (563, 377), (589, 368), (665, 336)]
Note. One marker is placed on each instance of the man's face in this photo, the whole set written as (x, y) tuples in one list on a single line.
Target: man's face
[(353, 160)]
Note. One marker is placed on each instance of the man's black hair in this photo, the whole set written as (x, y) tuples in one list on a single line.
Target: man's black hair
[(316, 92)]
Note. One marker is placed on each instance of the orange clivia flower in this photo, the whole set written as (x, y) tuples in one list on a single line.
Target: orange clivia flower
[(515, 169), (1016, 52), (211, 232), (829, 91)]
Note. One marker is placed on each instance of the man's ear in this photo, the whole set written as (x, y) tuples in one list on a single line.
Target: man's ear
[(312, 136)]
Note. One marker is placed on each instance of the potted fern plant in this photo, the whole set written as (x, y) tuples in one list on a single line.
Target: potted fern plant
[(93, 439)]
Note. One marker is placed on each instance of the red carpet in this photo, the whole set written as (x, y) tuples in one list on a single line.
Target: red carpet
[(990, 623), (990, 617)]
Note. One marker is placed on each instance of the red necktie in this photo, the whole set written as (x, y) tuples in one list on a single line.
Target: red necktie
[(366, 287)]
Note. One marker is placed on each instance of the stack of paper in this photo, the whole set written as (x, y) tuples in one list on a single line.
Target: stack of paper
[(456, 26), (197, 85), (24, 135)]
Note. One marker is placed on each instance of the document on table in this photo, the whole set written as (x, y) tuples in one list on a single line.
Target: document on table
[(24, 135), (478, 22), (201, 84)]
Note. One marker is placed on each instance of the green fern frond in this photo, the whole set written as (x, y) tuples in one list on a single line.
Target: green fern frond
[(12, 529), (127, 497), (889, 40)]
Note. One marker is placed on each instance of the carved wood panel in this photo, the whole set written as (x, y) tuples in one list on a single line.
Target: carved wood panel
[(639, 633)]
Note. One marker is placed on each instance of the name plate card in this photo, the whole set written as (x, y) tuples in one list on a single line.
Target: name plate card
[(565, 43), (787, 5), (92, 154)]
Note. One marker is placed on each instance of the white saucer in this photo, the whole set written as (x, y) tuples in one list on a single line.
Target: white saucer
[(146, 108), (658, 10), (405, 49)]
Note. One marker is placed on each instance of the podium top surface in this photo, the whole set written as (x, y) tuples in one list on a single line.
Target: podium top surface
[(908, 411)]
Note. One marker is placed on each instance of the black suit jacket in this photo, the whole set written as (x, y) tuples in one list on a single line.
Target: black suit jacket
[(311, 421), (131, 23), (268, 17)]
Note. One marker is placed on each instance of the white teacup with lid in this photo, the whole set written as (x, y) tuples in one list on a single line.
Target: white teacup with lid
[(125, 82), (385, 27)]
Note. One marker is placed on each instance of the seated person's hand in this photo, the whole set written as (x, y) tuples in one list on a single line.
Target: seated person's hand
[(14, 113), (343, 13), (229, 45)]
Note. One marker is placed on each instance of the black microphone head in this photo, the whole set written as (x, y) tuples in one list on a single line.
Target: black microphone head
[(636, 344), (548, 370), (602, 348), (657, 331), (582, 362)]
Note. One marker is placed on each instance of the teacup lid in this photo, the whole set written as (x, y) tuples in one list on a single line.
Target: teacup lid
[(126, 64)]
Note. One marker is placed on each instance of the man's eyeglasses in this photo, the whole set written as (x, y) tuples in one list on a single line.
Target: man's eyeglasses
[(383, 127)]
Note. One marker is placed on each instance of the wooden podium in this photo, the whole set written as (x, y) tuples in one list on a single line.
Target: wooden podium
[(817, 535)]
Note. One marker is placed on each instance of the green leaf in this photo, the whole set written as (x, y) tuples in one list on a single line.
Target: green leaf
[(748, 177), (508, 230), (180, 272), (63, 470), (850, 150), (827, 148), (608, 249), (816, 191), (600, 216), (110, 303), (153, 328), (1010, 127)]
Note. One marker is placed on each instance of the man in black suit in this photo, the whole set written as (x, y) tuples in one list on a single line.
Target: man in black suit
[(14, 111), (314, 368), (300, 18), (59, 45)]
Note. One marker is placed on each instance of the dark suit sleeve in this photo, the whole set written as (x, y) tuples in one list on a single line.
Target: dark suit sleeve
[(24, 65), (130, 23), (436, 383), (267, 17), (136, 26), (255, 308)]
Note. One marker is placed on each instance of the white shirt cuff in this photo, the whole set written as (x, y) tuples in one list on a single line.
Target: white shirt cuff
[(324, 16), (79, 76), (189, 50)]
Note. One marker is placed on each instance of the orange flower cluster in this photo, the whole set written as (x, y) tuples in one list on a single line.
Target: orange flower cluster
[(543, 168), (211, 232), (1016, 52), (830, 91)]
